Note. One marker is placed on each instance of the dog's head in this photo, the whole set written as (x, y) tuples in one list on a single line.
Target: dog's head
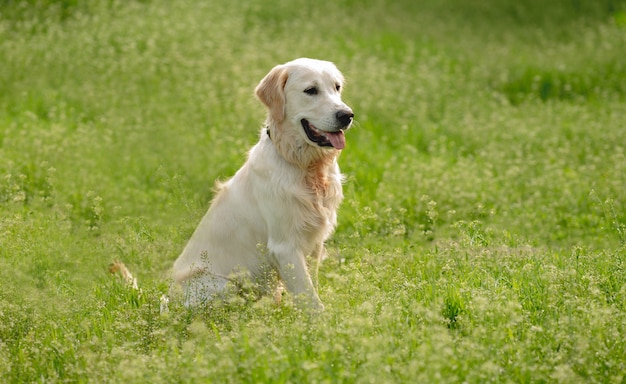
[(304, 104)]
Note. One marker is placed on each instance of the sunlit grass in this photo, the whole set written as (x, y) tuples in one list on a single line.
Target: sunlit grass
[(483, 233)]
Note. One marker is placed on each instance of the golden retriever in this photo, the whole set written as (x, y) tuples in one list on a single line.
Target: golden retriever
[(281, 205)]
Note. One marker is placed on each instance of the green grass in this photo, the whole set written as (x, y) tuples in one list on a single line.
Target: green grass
[(483, 234)]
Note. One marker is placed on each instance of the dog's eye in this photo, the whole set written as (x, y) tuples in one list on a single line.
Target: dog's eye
[(311, 91), (338, 87)]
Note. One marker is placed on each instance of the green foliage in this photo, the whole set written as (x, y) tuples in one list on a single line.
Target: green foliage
[(596, 85), (483, 234)]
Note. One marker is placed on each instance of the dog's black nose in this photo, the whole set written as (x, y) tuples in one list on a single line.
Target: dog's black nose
[(344, 117)]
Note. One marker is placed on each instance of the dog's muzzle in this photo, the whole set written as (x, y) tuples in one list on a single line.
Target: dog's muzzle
[(344, 118), (335, 139)]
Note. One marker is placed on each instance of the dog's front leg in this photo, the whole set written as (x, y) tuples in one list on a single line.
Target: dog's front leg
[(291, 265), (319, 254)]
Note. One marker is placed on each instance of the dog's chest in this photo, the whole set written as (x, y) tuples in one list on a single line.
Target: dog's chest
[(303, 200), (318, 183), (323, 196)]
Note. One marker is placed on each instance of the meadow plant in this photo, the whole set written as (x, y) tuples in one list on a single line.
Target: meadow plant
[(482, 237)]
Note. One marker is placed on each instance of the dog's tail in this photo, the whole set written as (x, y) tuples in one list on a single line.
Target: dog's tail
[(119, 267), (130, 280)]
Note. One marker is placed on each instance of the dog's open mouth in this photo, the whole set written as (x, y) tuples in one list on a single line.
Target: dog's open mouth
[(323, 138)]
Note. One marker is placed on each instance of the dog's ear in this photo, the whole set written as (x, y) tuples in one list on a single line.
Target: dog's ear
[(271, 91)]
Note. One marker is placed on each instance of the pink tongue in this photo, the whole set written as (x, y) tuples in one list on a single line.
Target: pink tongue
[(337, 139)]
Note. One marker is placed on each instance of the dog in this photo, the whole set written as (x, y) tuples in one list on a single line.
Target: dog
[(281, 205)]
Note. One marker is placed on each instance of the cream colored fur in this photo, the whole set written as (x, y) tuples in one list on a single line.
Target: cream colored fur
[(281, 205)]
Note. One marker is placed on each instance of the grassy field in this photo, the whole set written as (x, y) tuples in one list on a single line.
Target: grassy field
[(483, 234)]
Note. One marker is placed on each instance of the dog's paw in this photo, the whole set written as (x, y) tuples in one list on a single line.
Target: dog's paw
[(164, 304), (309, 303)]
